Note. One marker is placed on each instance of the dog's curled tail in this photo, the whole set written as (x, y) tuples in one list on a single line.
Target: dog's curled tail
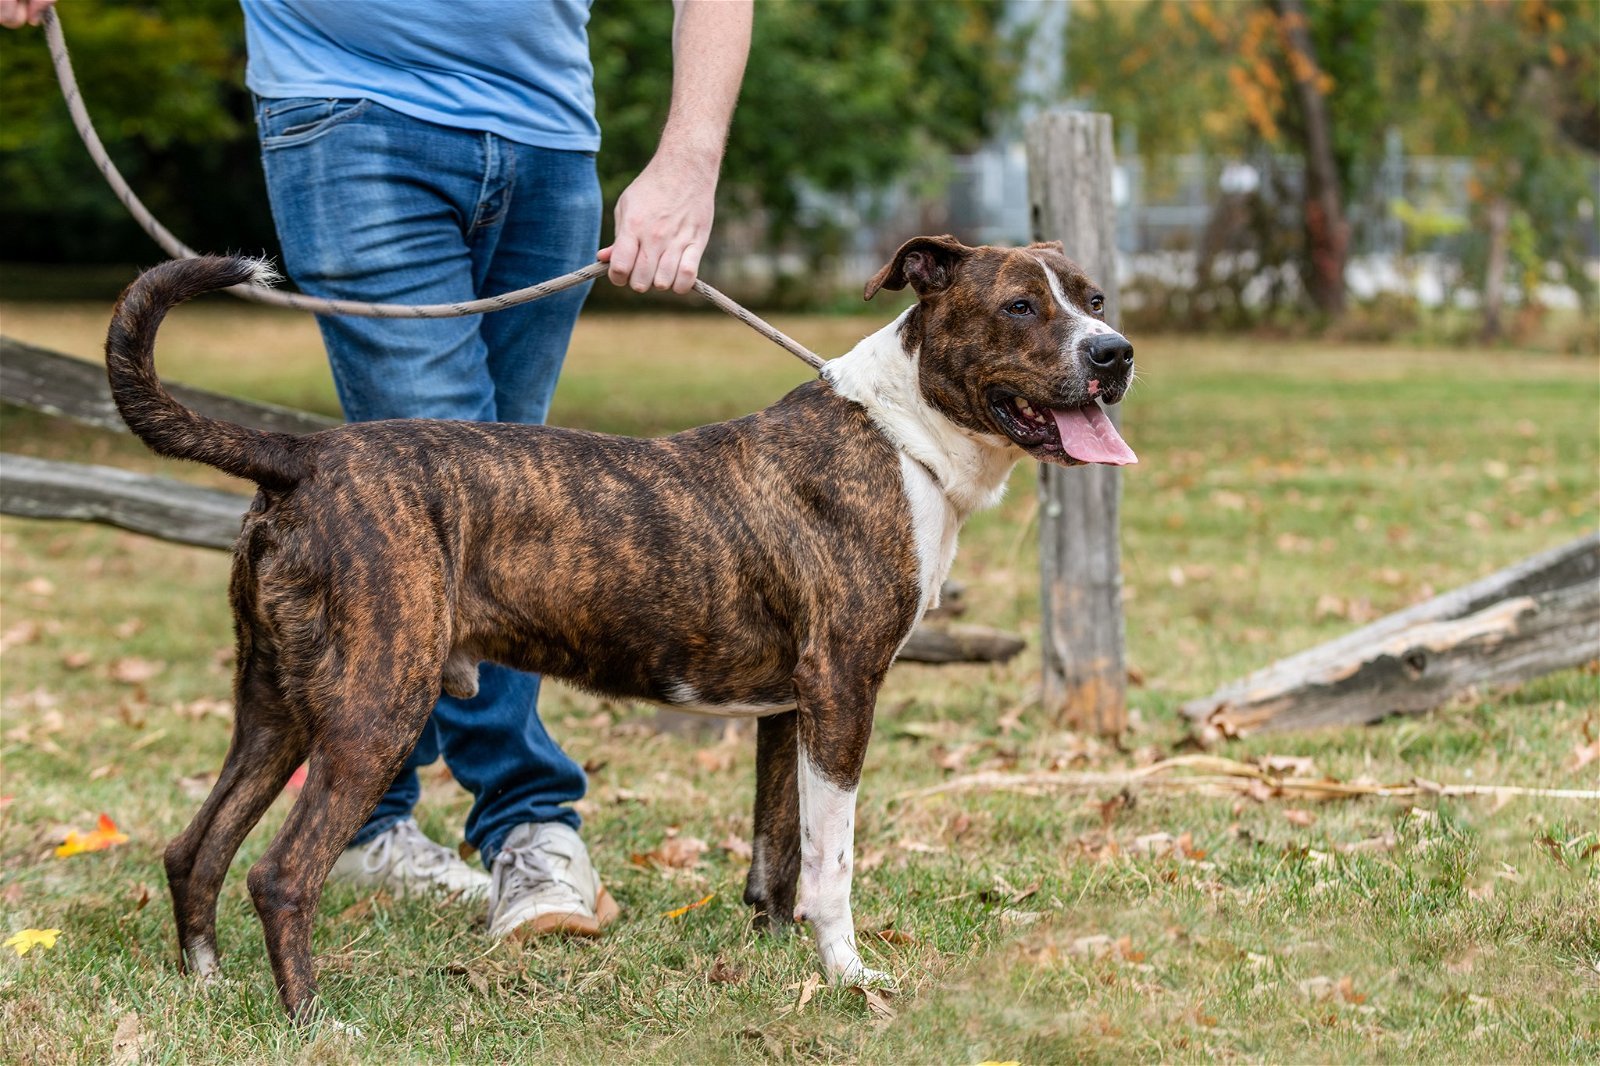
[(271, 460)]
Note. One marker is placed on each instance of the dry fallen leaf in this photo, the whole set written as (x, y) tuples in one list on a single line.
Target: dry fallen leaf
[(806, 990), (197, 786), (39, 586), (714, 760), (102, 836), (126, 1042), (1325, 989), (877, 1001), (1586, 753), (724, 972), (675, 852), (26, 940), (1302, 818), (132, 670), (1012, 917), (205, 708), (736, 846), (1288, 765), (679, 912), (25, 632)]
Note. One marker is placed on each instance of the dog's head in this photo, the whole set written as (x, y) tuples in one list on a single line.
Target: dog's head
[(1013, 343)]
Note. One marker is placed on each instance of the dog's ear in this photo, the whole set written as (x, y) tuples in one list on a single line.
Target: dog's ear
[(1050, 246), (927, 264)]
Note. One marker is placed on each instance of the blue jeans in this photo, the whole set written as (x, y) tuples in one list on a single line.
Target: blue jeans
[(374, 205)]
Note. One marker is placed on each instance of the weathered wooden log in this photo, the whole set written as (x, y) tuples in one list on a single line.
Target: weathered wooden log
[(1541, 615), (57, 384), (160, 507), (961, 644)]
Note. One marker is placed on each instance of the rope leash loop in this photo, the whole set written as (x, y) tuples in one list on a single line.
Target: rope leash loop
[(62, 61)]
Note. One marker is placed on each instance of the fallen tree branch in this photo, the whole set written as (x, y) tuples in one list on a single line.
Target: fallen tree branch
[(1220, 776), (1530, 619), (960, 644)]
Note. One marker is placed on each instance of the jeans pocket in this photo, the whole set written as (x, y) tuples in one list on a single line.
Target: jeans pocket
[(284, 123)]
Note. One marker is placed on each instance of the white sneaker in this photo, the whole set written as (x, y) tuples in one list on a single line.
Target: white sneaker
[(403, 861), (543, 882)]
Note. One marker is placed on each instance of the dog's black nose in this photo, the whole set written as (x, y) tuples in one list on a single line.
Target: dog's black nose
[(1108, 351)]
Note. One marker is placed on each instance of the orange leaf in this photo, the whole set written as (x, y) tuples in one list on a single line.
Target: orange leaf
[(102, 836), (679, 912)]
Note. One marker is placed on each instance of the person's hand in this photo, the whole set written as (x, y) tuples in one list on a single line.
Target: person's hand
[(663, 223), (664, 218), (14, 13)]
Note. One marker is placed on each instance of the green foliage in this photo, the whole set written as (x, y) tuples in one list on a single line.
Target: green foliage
[(839, 98), (165, 84), (1512, 84)]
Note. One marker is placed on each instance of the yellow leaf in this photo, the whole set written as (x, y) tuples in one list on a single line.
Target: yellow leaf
[(28, 939), (102, 836), (679, 912)]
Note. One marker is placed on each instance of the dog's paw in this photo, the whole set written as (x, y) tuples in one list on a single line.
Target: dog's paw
[(873, 980)]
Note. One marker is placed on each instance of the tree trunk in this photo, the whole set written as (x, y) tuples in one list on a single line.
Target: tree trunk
[(1327, 232), (1080, 559), (1498, 216)]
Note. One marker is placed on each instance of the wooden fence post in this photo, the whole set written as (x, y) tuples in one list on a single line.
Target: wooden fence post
[(1070, 160)]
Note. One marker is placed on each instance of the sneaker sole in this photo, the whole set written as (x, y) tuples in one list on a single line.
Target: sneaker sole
[(605, 912)]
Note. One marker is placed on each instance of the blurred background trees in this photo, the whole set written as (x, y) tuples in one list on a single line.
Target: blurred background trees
[(1511, 85), (1279, 158), (841, 98)]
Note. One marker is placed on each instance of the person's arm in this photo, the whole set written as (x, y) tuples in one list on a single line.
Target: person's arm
[(663, 218), (14, 13)]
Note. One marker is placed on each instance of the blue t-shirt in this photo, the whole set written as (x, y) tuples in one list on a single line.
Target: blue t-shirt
[(519, 68)]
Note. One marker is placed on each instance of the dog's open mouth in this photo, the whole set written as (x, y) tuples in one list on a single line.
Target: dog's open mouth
[(1060, 434)]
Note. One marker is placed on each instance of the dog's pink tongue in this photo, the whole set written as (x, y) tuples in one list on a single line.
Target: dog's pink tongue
[(1088, 436)]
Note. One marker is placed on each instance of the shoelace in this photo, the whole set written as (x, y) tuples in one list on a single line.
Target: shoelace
[(408, 840), (529, 862)]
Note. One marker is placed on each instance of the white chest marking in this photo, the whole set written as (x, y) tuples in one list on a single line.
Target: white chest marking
[(881, 376), (934, 526)]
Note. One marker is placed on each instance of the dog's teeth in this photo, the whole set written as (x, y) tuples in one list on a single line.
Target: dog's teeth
[(1025, 407)]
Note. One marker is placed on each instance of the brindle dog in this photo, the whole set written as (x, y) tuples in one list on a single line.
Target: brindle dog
[(768, 566)]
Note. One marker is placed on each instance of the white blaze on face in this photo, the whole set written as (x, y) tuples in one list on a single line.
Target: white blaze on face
[(1084, 323)]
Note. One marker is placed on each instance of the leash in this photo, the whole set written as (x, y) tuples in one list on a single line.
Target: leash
[(175, 248)]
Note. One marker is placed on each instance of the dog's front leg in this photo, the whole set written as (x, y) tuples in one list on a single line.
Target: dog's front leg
[(834, 729)]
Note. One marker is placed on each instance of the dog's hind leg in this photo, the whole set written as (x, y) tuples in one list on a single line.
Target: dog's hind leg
[(360, 741), (267, 744), (775, 850)]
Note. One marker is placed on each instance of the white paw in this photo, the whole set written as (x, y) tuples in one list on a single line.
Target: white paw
[(876, 980)]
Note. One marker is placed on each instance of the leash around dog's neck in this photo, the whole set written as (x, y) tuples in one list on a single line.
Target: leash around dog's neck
[(259, 294)]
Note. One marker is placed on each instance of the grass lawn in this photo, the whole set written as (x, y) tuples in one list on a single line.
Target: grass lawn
[(1286, 492)]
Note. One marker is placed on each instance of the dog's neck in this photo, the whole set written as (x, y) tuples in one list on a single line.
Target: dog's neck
[(881, 374)]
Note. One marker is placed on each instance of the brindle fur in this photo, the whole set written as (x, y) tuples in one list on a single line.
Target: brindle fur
[(765, 561)]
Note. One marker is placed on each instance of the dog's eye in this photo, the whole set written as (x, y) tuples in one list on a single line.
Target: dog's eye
[(1097, 304), (1020, 308)]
